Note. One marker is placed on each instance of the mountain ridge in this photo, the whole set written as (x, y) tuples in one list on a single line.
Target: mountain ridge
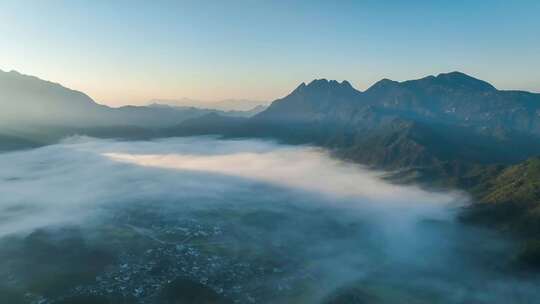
[(453, 98), (450, 130), (28, 102)]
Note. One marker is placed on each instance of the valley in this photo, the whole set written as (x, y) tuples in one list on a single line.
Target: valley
[(216, 233)]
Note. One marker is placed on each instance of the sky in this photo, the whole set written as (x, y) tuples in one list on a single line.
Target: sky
[(129, 51)]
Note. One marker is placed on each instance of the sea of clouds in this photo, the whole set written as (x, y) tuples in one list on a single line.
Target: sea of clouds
[(67, 181), (79, 180)]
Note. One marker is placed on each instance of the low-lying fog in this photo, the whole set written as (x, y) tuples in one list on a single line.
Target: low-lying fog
[(251, 221)]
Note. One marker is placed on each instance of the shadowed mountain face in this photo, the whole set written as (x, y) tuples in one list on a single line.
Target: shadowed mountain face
[(222, 105), (319, 100), (452, 98)]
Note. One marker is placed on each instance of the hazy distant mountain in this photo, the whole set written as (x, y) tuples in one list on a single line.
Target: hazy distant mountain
[(29, 105), (223, 105), (258, 109), (233, 113), (30, 100)]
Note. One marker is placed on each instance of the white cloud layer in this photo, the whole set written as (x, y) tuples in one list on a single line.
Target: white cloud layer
[(80, 180), (67, 181)]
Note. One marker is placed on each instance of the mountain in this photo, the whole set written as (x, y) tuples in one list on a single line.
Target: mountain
[(508, 198), (29, 106), (456, 98), (212, 123), (28, 100), (248, 113), (222, 105), (450, 98), (429, 122), (231, 113), (511, 197), (319, 100)]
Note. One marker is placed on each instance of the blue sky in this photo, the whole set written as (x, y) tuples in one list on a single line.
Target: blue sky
[(123, 52)]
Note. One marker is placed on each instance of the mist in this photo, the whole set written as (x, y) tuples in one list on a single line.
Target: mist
[(254, 221)]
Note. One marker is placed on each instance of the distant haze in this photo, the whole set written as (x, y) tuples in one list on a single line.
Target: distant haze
[(224, 105), (27, 101)]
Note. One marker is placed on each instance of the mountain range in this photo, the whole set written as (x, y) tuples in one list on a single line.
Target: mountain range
[(451, 98), (29, 105), (436, 119), (450, 130), (222, 105)]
